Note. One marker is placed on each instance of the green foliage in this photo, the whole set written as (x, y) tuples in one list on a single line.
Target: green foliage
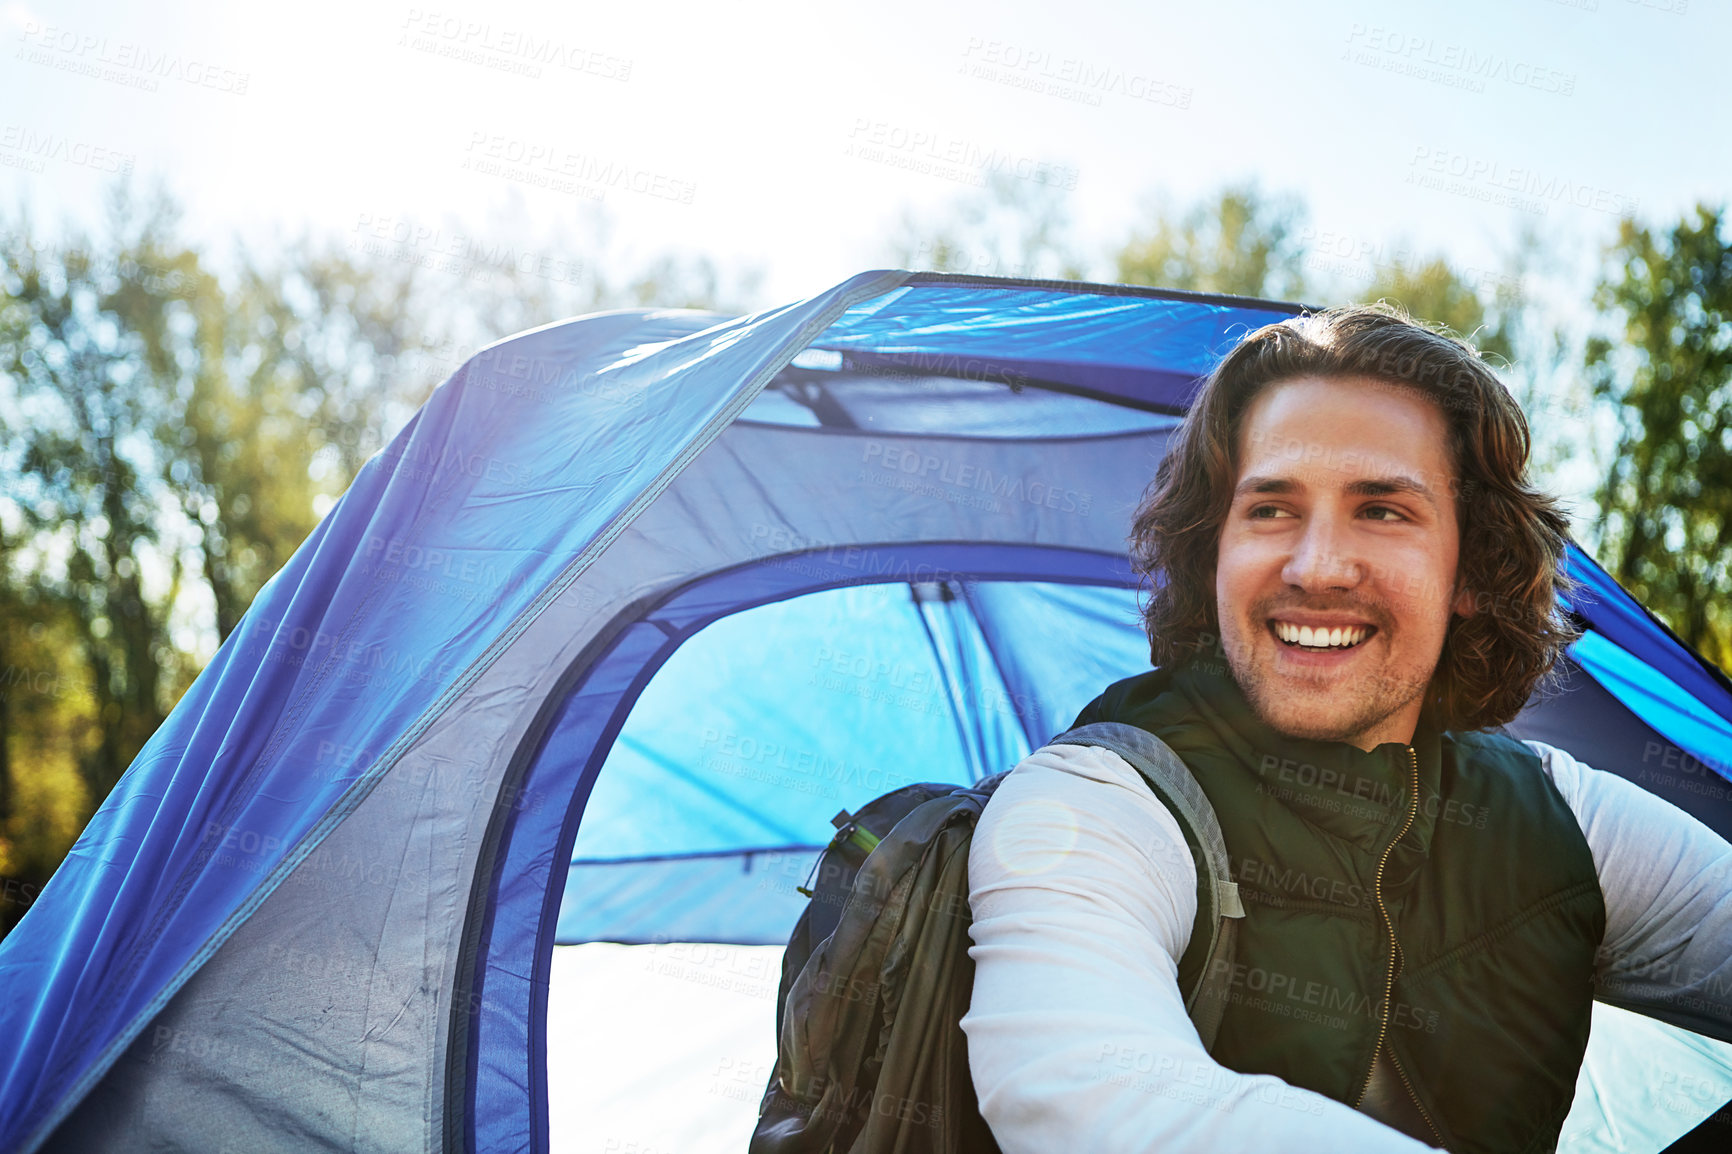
[(1242, 243), (1436, 293), (1666, 367), (48, 722), (159, 426), (672, 283), (293, 377), (88, 345)]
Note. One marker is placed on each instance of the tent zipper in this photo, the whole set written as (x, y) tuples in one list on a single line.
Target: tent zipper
[(1389, 924)]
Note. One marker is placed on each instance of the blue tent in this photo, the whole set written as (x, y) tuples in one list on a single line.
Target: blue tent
[(593, 651)]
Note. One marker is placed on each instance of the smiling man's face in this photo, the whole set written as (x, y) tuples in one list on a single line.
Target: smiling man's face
[(1335, 578)]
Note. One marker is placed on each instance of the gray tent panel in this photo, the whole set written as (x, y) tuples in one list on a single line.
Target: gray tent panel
[(325, 1018)]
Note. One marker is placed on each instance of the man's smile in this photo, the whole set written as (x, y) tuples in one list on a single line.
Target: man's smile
[(1320, 637)]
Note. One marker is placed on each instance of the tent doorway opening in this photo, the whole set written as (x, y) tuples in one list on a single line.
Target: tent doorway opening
[(716, 797)]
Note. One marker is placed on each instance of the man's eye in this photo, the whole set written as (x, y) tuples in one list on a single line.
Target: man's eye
[(1264, 512), (1384, 513)]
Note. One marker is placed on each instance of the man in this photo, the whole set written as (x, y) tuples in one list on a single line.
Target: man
[(1352, 583)]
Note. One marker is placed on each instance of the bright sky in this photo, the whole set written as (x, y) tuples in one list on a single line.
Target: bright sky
[(793, 136)]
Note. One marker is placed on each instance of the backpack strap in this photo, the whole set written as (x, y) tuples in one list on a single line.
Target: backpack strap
[(1209, 958)]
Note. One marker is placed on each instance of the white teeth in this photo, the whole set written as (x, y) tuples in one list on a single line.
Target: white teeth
[(1337, 637)]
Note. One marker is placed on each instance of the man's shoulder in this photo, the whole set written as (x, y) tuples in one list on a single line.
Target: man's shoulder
[(1062, 798), (1058, 769)]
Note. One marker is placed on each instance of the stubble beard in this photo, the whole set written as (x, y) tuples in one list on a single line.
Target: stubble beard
[(1317, 711), (1320, 714)]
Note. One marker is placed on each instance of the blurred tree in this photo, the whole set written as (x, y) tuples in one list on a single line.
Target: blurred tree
[(1435, 292), (1666, 507), (47, 723), (683, 283), (234, 442), (1242, 243), (1010, 227), (344, 333), (85, 342), (159, 428)]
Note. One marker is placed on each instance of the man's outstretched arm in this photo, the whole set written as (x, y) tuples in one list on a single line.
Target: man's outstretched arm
[(1083, 895)]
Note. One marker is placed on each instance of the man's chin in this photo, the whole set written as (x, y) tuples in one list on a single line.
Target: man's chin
[(1309, 712)]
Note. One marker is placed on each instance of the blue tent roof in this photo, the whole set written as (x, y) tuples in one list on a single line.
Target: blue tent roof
[(662, 575)]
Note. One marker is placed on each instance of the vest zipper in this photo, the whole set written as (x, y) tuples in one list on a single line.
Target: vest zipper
[(1394, 1061), (1389, 924)]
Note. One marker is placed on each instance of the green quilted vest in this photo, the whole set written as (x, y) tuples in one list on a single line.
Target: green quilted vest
[(1437, 902)]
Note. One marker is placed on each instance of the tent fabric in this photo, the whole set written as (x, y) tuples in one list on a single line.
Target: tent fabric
[(1099, 342), (893, 400), (1645, 666), (504, 485), (320, 908), (1585, 717)]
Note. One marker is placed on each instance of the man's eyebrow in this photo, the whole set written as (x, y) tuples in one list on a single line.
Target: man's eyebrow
[(1390, 486), (1393, 486), (1265, 485)]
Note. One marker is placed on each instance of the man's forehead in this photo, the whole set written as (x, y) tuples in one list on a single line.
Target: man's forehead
[(1340, 432), (1275, 453)]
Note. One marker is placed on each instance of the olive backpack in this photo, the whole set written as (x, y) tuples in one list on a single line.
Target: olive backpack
[(871, 1057)]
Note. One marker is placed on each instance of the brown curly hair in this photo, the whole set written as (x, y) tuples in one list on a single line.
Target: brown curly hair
[(1512, 535)]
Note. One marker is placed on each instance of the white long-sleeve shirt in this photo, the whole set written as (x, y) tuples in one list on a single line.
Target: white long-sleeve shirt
[(1083, 895)]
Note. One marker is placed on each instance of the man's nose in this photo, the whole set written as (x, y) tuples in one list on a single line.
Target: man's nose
[(1323, 558)]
